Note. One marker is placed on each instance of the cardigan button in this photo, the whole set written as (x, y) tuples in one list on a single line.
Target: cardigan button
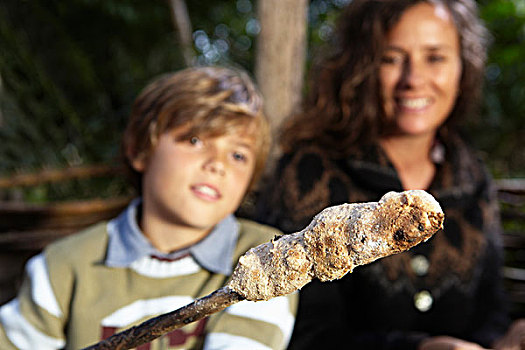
[(419, 264), (423, 300)]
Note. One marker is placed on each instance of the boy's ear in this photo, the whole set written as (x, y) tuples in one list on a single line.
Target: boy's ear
[(137, 161)]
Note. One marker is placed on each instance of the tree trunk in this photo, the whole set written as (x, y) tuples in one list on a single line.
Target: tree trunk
[(280, 60), (182, 23)]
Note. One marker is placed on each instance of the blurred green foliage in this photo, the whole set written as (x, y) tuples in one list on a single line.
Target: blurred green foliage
[(500, 132), (70, 70)]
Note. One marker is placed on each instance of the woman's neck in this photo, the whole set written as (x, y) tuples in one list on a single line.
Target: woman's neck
[(411, 159)]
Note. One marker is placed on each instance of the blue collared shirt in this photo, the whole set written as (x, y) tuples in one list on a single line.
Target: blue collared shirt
[(128, 244)]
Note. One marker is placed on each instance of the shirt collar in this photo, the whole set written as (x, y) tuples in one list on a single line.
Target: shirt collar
[(127, 243)]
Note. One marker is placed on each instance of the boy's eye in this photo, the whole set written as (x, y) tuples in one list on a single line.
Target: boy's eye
[(239, 157), (194, 140)]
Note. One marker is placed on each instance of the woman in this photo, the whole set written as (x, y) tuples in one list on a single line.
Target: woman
[(382, 115)]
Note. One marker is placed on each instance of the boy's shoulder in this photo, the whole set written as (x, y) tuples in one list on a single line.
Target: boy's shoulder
[(89, 243), (252, 234)]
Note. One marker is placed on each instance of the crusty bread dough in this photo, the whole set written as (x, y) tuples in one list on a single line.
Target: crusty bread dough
[(336, 241)]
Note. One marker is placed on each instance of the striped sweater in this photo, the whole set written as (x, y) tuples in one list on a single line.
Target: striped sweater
[(70, 299)]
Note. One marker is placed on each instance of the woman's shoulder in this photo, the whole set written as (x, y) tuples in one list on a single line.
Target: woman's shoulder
[(306, 161), (468, 161), (306, 181), (306, 152)]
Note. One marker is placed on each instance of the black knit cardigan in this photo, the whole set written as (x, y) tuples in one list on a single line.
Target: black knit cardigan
[(450, 285)]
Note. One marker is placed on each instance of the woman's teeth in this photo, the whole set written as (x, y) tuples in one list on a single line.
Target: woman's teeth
[(414, 102)]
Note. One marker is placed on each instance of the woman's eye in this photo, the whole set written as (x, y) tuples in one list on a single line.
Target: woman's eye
[(436, 58), (390, 59), (387, 60)]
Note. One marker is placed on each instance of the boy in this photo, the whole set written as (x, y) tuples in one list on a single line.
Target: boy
[(195, 143)]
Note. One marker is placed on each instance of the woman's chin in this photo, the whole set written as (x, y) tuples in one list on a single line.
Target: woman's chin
[(416, 128)]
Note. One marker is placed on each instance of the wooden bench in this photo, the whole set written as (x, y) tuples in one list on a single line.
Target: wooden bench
[(511, 193), (25, 228)]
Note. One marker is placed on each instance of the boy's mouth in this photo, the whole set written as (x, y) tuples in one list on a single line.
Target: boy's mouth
[(206, 192)]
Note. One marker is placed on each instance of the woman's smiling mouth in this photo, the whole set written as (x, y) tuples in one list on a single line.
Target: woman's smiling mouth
[(414, 103)]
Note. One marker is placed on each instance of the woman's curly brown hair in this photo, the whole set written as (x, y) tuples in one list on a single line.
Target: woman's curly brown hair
[(344, 107)]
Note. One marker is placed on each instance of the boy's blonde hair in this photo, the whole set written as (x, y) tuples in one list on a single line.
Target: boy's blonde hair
[(210, 100)]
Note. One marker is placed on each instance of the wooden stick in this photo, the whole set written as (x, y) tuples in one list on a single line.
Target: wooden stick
[(165, 323)]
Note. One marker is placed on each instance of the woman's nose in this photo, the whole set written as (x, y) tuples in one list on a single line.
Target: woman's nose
[(413, 74)]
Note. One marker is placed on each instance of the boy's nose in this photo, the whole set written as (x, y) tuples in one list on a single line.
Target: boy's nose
[(215, 164)]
